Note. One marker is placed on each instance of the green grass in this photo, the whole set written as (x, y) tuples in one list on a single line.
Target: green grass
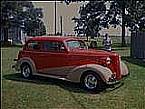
[(46, 93)]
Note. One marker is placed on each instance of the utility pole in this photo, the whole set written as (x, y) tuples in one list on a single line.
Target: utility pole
[(123, 24), (61, 25), (55, 16)]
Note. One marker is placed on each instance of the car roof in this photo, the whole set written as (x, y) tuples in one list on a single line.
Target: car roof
[(53, 38)]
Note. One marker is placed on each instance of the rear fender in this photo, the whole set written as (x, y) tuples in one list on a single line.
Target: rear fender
[(26, 60)]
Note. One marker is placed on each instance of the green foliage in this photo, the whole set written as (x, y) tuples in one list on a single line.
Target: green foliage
[(99, 14), (22, 14), (91, 18), (134, 13)]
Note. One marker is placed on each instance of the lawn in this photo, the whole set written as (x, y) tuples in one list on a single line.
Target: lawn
[(47, 93)]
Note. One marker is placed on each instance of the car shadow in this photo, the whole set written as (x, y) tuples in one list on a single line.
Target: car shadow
[(70, 86), (135, 61)]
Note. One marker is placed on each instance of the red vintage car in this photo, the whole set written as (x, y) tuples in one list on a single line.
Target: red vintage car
[(68, 58)]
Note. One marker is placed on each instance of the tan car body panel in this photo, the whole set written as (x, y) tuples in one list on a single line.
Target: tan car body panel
[(74, 73)]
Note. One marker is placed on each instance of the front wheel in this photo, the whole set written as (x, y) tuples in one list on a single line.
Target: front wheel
[(91, 81), (26, 71)]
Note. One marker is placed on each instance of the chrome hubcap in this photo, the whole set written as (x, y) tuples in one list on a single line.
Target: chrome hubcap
[(90, 81), (26, 71)]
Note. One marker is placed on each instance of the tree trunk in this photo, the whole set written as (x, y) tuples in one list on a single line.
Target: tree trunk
[(87, 38), (123, 26), (5, 35)]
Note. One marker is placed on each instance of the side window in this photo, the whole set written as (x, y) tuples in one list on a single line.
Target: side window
[(53, 46), (33, 45)]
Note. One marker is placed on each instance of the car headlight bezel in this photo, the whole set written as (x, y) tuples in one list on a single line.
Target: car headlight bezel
[(108, 60)]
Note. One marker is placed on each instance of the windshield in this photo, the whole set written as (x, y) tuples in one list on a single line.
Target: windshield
[(76, 44)]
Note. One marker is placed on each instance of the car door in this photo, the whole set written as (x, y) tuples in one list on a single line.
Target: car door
[(33, 51), (53, 58)]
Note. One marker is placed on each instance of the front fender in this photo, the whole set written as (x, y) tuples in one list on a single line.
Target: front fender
[(76, 73), (124, 69)]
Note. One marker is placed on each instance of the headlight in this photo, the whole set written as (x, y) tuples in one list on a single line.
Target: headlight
[(108, 60)]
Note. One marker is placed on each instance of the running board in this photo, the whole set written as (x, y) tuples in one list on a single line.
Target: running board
[(51, 76)]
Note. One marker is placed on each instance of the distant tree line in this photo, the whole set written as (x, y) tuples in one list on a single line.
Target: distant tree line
[(22, 14)]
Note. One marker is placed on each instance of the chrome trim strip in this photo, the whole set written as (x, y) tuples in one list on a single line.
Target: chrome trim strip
[(52, 76)]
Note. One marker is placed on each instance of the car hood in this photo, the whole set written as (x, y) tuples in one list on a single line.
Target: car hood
[(92, 52)]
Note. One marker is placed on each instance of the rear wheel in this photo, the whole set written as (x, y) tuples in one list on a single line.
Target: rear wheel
[(26, 70), (91, 81)]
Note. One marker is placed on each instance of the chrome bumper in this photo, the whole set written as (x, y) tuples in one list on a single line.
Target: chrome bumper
[(113, 81)]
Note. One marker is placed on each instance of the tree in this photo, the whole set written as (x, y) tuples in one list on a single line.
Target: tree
[(21, 14), (99, 14), (132, 13), (91, 18), (39, 29)]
